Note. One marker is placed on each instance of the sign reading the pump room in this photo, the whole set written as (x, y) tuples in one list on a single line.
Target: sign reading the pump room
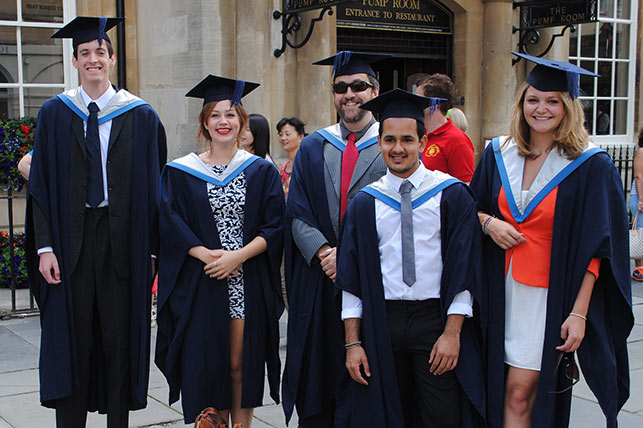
[(556, 13), (397, 15)]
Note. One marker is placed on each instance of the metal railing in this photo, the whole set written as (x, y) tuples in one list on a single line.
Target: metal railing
[(10, 196)]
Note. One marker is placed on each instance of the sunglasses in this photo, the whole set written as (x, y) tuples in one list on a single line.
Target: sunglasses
[(356, 86), (567, 362)]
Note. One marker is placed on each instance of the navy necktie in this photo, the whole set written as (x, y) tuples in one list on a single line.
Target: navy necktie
[(95, 193), (408, 245)]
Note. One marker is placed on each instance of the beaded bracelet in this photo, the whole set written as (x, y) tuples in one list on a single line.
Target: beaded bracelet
[(352, 345), (578, 315), (485, 224)]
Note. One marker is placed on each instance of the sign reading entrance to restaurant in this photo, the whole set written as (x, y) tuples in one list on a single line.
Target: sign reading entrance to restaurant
[(556, 13), (303, 5), (422, 16)]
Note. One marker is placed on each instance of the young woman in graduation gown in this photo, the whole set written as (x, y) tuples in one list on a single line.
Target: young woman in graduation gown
[(557, 265), (221, 248)]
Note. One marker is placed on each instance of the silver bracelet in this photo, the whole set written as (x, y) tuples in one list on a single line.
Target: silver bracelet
[(352, 345), (577, 315)]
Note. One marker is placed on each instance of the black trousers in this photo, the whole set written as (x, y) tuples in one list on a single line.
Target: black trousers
[(101, 306), (427, 400)]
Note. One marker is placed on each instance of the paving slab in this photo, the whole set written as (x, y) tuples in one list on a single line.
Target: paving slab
[(15, 353), (587, 414), (19, 382)]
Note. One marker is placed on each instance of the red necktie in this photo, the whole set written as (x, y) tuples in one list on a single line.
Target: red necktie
[(349, 159)]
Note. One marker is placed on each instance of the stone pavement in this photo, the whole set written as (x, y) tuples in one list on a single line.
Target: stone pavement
[(20, 407)]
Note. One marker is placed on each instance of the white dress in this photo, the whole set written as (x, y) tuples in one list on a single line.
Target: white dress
[(525, 312)]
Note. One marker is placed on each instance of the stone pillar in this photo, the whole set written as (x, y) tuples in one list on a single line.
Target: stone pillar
[(498, 75), (467, 57)]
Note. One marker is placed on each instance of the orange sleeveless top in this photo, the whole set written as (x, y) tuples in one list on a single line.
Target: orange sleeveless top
[(532, 259)]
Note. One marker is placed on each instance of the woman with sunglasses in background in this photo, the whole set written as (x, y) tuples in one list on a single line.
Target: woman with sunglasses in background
[(255, 137), (291, 132), (221, 222), (557, 265)]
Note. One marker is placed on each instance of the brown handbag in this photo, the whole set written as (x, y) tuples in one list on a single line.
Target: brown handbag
[(210, 418)]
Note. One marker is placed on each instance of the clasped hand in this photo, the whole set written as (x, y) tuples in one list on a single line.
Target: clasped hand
[(504, 235), (220, 264)]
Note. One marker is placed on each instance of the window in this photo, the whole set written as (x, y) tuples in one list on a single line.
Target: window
[(608, 48), (33, 66)]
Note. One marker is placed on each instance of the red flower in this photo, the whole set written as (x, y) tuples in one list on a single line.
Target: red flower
[(26, 129)]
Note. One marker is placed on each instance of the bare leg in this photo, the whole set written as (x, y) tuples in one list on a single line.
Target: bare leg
[(520, 396), (239, 415)]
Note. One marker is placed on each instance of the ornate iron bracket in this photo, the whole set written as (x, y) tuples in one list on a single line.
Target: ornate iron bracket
[(291, 23), (537, 14), (531, 37)]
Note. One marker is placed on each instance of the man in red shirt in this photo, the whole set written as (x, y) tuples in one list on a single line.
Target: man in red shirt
[(448, 149)]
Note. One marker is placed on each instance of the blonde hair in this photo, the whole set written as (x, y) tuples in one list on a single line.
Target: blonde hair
[(570, 138), (459, 119), (203, 134)]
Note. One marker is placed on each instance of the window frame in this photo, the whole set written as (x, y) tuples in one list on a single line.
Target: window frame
[(632, 22), (70, 76)]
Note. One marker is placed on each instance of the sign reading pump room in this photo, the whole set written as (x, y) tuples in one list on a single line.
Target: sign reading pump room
[(557, 13), (420, 16)]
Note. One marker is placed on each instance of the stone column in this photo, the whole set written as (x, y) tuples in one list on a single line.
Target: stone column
[(467, 56), (498, 75)]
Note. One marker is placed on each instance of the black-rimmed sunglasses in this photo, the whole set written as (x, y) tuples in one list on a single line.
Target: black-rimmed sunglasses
[(567, 362), (356, 86)]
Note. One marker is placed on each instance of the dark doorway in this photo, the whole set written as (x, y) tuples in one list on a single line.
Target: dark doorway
[(413, 54)]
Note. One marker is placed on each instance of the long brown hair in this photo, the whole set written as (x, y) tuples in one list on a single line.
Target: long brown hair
[(203, 134), (571, 137)]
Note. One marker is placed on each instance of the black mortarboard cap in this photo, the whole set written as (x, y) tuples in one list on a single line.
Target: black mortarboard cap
[(400, 103), (550, 75), (83, 29), (347, 62), (215, 88)]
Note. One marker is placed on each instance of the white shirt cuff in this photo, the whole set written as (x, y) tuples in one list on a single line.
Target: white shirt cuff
[(45, 250), (462, 304), (351, 306)]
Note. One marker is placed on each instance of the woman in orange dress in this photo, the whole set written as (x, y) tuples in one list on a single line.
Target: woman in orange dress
[(556, 254)]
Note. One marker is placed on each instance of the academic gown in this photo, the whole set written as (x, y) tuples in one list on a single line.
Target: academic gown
[(590, 221), (308, 379), (378, 404), (193, 342), (137, 135)]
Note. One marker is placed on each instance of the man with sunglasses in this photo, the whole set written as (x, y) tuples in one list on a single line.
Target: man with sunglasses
[(332, 165)]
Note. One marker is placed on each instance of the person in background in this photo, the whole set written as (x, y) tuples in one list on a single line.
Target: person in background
[(92, 232), (221, 222), (255, 138), (636, 203), (291, 132), (458, 118), (556, 258), (448, 149)]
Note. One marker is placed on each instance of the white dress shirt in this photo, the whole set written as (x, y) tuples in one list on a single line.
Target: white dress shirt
[(428, 253), (103, 131)]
